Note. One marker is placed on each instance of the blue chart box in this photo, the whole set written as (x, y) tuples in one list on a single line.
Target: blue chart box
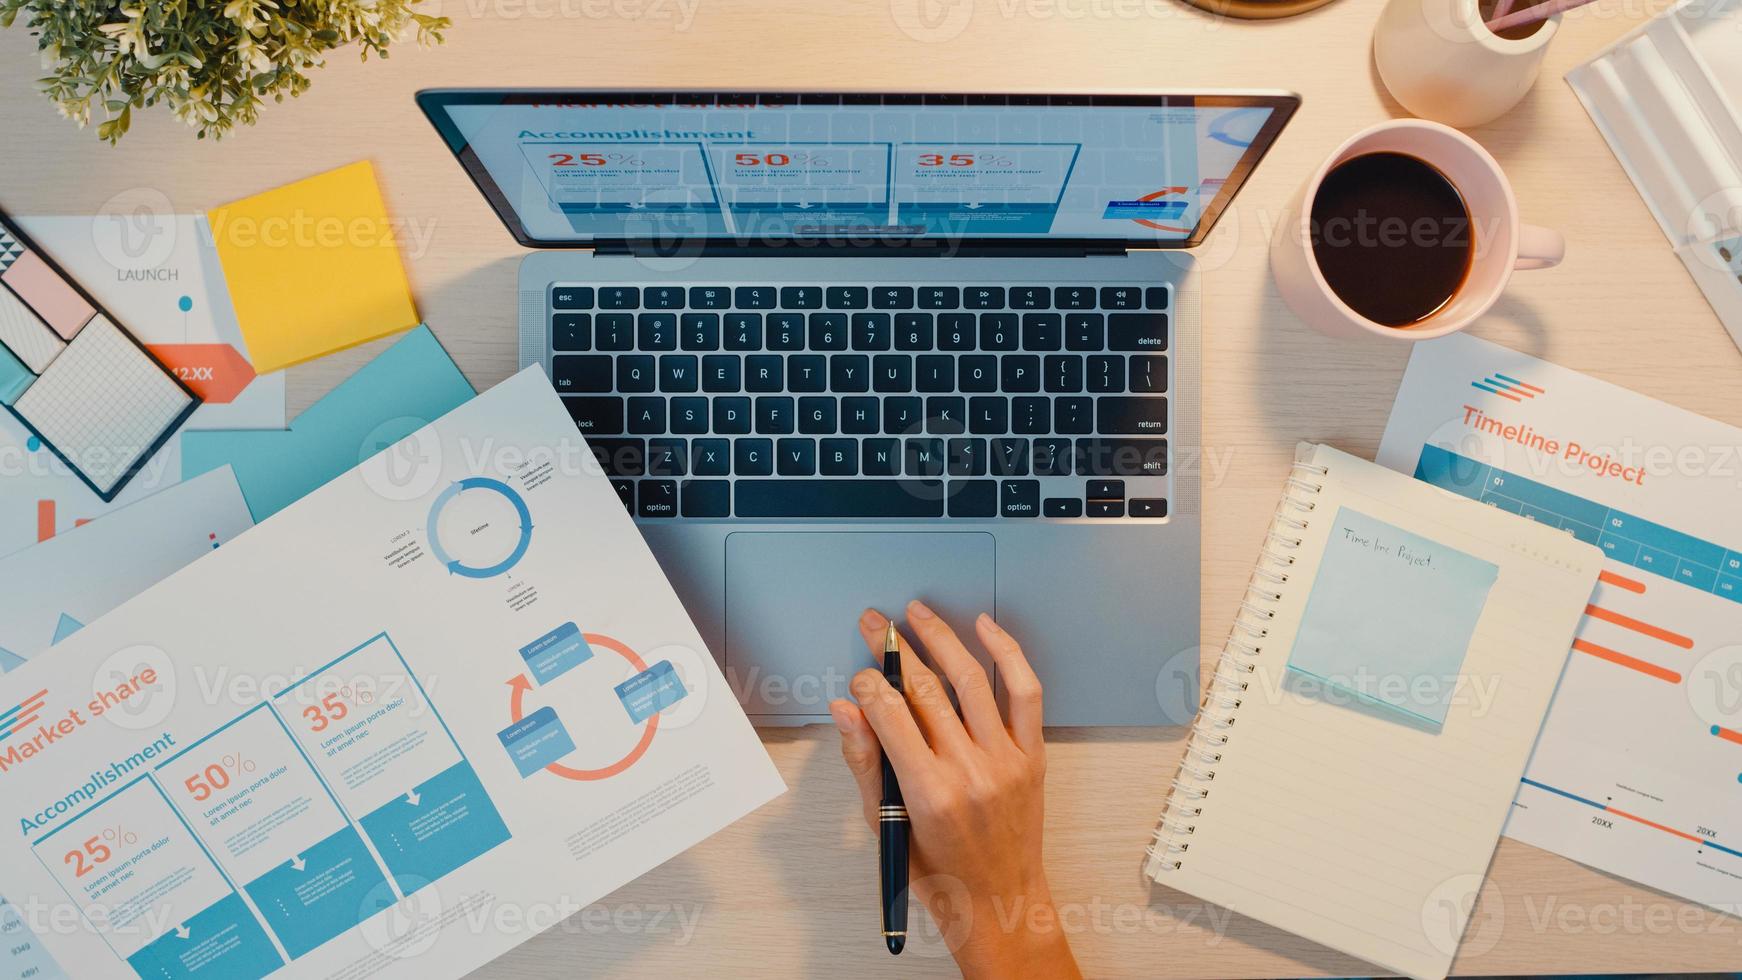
[(222, 941), (441, 824), (651, 691), (536, 741), (556, 653), (1151, 210), (310, 904)]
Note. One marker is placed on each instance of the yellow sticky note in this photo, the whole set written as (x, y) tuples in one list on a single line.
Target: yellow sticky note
[(313, 267)]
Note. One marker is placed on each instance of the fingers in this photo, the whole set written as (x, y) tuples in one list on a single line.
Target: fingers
[(925, 692), (859, 749), (973, 688), (1020, 684), (894, 726)]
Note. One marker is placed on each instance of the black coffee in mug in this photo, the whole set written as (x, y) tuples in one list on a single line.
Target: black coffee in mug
[(1392, 237)]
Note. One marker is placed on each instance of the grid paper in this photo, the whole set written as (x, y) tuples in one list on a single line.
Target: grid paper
[(25, 335), (103, 403)]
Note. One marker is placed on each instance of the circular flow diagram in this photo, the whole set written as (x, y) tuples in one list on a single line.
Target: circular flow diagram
[(478, 491), (517, 711)]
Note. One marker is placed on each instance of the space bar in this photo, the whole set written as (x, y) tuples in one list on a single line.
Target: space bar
[(839, 498)]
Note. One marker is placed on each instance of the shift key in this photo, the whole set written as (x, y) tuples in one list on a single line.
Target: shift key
[(1130, 416), (1137, 331)]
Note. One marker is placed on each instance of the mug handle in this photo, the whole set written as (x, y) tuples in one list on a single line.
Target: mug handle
[(1539, 248)]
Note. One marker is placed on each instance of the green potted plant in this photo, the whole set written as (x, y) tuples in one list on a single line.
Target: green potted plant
[(213, 62)]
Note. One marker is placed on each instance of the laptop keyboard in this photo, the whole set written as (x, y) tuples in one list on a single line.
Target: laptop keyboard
[(819, 401)]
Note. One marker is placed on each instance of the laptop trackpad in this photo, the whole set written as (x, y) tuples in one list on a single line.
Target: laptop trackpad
[(793, 600)]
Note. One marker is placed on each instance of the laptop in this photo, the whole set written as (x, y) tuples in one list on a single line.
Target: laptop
[(839, 350)]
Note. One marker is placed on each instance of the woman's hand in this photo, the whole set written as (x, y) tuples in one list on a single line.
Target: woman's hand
[(973, 788)]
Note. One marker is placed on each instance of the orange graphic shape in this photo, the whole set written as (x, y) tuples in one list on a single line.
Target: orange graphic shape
[(520, 685)]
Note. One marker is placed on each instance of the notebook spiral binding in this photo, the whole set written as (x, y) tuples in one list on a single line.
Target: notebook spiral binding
[(1228, 684)]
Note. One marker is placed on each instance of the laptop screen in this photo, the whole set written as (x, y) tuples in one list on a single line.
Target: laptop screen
[(584, 167)]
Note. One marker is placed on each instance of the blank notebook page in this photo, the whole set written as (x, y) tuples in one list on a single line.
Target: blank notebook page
[(1348, 825)]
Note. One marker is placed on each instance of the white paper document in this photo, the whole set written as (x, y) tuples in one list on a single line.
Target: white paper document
[(1638, 768), (450, 682)]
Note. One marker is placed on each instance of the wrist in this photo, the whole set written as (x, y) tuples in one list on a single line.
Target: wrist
[(1017, 936)]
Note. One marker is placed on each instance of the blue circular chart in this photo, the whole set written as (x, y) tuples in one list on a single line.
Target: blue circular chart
[(476, 485)]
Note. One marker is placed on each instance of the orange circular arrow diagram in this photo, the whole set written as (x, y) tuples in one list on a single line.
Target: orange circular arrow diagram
[(520, 685)]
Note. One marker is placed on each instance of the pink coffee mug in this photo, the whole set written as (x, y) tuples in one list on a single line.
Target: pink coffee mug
[(1502, 245)]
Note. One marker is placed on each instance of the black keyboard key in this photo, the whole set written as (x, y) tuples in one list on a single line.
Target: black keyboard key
[(595, 414), (973, 498), (753, 297), (571, 331), (636, 373), (1061, 507), (619, 298), (977, 372), (1019, 498), (1149, 372), (1042, 331), (619, 457), (983, 297), (828, 331), (999, 331), (935, 373), (1137, 331), (816, 415), (1110, 456), (871, 331), (801, 297), (956, 331), (1052, 457), (966, 457), (847, 297), (743, 331), (764, 373), (849, 373), (1030, 297), (656, 498), (1156, 298), (689, 416), (1148, 507), (838, 457), (667, 457), (774, 415), (753, 457), (731, 416), (860, 416), (679, 373), (1138, 416), (1106, 373), (944, 415), (1085, 332), (1121, 298), (785, 331), (1074, 297), (571, 297), (722, 373), (656, 331), (626, 493), (839, 498), (923, 457), (989, 415), (903, 416), (1064, 373), (1104, 489), (892, 374), (1073, 415), (892, 298), (1031, 416), (939, 298), (795, 457), (1019, 373), (808, 372), (706, 498), (700, 331), (1009, 457), (1106, 508), (913, 331), (880, 457), (581, 373), (614, 331), (710, 457), (647, 416), (662, 298), (710, 298)]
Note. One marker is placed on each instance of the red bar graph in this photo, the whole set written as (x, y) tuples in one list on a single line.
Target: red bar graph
[(1637, 626), (1623, 660)]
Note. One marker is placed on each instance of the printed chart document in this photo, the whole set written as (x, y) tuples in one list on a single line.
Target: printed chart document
[(1638, 768), (450, 683)]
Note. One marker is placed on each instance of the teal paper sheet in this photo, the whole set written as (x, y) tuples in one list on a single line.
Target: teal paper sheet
[(1390, 616), (14, 377), (409, 385)]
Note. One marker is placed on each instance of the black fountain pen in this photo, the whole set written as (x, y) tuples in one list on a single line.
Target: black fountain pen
[(892, 823)]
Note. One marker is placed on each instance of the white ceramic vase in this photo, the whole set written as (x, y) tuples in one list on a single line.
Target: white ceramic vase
[(1442, 63)]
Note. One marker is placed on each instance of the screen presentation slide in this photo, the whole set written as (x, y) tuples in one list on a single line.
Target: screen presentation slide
[(466, 683)]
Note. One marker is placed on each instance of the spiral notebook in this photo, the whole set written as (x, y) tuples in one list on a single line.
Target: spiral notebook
[(1315, 803)]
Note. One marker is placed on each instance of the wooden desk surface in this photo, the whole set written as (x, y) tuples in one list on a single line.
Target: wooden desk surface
[(790, 891)]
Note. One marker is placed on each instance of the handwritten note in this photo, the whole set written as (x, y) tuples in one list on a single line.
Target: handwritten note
[(1390, 616)]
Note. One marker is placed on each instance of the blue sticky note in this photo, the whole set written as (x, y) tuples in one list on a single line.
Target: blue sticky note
[(651, 691), (1390, 616), (14, 376), (409, 385), (536, 741), (556, 653)]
